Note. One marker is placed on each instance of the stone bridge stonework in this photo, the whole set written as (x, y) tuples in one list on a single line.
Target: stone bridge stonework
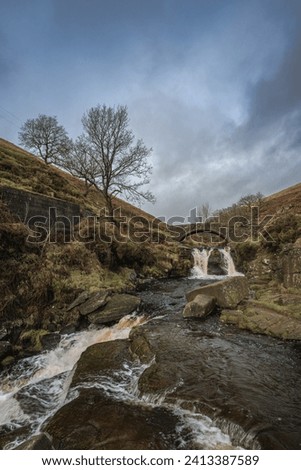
[(181, 232)]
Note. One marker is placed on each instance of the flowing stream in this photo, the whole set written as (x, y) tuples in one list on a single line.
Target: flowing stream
[(226, 386)]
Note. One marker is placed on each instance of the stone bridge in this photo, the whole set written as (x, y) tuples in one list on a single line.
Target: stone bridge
[(181, 232)]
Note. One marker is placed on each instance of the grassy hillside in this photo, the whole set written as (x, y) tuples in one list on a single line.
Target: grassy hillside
[(21, 170), (36, 278)]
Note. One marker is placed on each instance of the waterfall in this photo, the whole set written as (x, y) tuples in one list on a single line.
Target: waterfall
[(201, 259), (231, 270)]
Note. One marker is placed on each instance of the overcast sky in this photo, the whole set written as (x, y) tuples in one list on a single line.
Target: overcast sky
[(213, 86)]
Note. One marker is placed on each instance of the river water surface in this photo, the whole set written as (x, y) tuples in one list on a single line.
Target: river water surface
[(227, 386)]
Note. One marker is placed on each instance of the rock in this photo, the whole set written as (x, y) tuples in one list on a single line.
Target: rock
[(94, 302), (99, 359), (230, 316), (79, 300), (31, 340), (5, 349), (140, 347), (8, 361), (291, 267), (216, 263), (51, 327), (260, 319), (228, 292), (201, 306), (41, 441), (7, 436), (93, 421), (50, 341), (68, 330), (213, 374), (117, 307), (3, 333)]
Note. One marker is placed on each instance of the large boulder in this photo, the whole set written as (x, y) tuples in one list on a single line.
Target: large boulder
[(93, 421), (228, 293), (201, 306), (100, 359), (116, 308)]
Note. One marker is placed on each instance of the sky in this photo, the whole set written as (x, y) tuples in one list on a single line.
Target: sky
[(213, 86)]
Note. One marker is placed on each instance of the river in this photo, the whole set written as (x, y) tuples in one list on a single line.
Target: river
[(227, 387)]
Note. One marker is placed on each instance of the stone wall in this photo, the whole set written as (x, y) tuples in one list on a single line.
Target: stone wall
[(30, 207)]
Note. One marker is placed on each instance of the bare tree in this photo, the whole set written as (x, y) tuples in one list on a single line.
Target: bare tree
[(251, 199), (79, 162), (120, 165), (45, 137)]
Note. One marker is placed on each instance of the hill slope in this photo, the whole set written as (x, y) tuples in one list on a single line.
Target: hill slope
[(39, 279), (21, 170), (286, 201)]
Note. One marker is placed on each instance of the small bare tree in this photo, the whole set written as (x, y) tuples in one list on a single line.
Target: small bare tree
[(251, 200), (45, 138), (204, 212), (119, 164)]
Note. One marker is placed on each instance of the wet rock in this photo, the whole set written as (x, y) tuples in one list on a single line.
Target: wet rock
[(216, 263), (93, 421), (68, 330), (41, 441), (99, 359), (50, 341), (3, 333), (5, 349), (8, 435), (201, 306), (93, 303), (140, 347), (116, 308), (228, 292), (79, 300)]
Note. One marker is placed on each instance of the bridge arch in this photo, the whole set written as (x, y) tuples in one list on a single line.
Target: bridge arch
[(195, 230)]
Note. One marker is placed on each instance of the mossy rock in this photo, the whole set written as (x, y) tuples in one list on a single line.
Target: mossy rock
[(30, 340)]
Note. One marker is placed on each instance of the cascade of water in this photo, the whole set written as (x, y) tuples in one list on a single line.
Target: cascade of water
[(200, 257), (46, 376), (231, 270)]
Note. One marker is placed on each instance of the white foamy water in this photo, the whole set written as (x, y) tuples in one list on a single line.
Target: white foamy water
[(200, 268), (194, 428), (231, 270), (37, 386), (201, 260)]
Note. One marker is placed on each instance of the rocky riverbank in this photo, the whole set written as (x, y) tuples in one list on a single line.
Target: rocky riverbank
[(181, 383)]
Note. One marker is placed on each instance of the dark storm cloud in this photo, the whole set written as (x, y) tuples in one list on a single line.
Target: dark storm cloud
[(212, 86)]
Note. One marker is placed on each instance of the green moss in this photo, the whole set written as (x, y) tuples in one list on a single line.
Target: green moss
[(31, 339)]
